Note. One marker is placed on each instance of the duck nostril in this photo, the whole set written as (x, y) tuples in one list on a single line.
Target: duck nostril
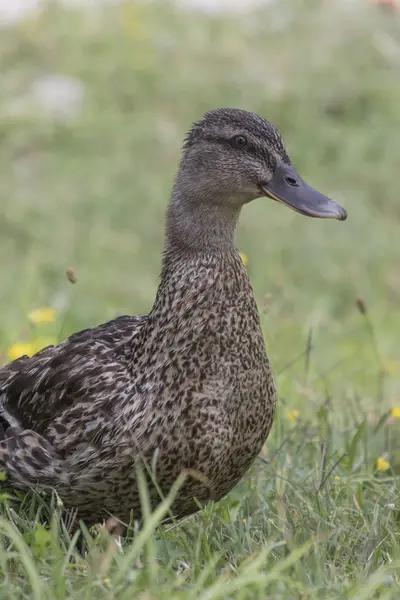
[(291, 181)]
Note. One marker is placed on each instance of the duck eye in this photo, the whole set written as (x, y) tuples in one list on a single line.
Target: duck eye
[(239, 141)]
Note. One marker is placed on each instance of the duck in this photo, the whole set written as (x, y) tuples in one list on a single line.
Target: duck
[(187, 387)]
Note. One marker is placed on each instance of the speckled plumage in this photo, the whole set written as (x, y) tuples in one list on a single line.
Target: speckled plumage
[(190, 381)]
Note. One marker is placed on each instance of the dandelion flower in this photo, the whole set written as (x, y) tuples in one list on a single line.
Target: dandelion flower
[(244, 258), (42, 316), (20, 349), (382, 464), (293, 415), (395, 412)]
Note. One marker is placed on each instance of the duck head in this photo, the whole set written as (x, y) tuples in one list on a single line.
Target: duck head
[(232, 156)]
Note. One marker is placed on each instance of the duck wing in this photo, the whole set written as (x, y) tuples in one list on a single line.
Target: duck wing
[(34, 391)]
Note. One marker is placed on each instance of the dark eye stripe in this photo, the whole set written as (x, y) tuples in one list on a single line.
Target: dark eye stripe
[(250, 147)]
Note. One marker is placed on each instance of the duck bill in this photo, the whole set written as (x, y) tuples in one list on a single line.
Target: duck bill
[(289, 188)]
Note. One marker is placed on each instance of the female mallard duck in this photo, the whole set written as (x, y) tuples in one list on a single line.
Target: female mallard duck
[(190, 383)]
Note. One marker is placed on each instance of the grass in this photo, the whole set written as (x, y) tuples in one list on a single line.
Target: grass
[(314, 518)]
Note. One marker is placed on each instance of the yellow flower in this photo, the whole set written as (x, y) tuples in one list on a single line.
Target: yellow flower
[(337, 478), (391, 367), (293, 415), (20, 349), (244, 258), (382, 464), (42, 316), (107, 580), (395, 412)]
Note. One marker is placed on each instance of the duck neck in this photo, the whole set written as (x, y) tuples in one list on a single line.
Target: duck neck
[(201, 267), (197, 224)]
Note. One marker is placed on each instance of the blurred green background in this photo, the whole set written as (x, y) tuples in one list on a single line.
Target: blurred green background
[(94, 104)]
